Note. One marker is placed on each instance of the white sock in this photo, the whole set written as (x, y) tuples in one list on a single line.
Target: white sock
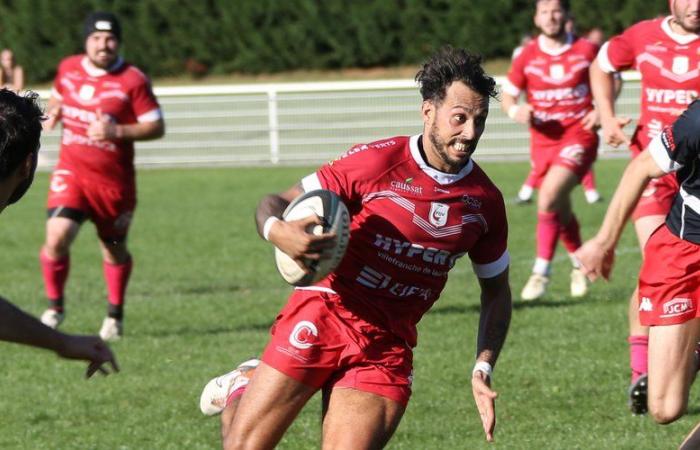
[(542, 267), (525, 192)]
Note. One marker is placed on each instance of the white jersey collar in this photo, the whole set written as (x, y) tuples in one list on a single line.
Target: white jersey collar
[(682, 39), (440, 177), (555, 51), (94, 71)]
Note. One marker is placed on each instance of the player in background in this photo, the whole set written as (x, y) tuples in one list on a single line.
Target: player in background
[(552, 71), (105, 105), (666, 51), (669, 280), (20, 130), (534, 178), (417, 204)]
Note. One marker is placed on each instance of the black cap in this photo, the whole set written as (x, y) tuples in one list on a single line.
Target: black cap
[(102, 21)]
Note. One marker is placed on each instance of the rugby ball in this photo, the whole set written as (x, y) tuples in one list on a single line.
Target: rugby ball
[(331, 209)]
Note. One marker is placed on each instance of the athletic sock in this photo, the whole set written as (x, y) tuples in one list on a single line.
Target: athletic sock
[(55, 274), (639, 345), (588, 181), (116, 278), (547, 234), (571, 235)]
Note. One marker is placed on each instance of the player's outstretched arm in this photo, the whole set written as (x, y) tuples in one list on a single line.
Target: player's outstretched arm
[(596, 255), (603, 86), (519, 113), (53, 114), (18, 326), (293, 237), (496, 309)]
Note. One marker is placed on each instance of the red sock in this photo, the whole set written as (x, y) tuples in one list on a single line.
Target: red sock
[(55, 274), (116, 278), (571, 235), (547, 234), (235, 394), (639, 345), (531, 179), (588, 181)]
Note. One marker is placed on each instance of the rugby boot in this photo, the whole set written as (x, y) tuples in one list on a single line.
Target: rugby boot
[(579, 283), (216, 392), (111, 330), (637, 396), (535, 287), (52, 318)]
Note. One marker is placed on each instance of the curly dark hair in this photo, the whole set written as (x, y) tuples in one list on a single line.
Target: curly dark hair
[(20, 129), (564, 4), (453, 64)]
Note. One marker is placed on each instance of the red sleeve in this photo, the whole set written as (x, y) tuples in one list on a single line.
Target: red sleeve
[(142, 98), (57, 79), (494, 243), (346, 175), (516, 74), (621, 51)]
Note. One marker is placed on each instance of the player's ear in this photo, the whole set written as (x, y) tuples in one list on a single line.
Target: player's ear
[(428, 111)]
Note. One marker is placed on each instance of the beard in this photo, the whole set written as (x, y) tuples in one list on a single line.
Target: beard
[(440, 147)]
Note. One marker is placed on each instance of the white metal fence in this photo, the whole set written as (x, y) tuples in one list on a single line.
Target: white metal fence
[(298, 123)]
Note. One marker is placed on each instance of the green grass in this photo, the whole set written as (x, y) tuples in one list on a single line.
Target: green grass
[(204, 292)]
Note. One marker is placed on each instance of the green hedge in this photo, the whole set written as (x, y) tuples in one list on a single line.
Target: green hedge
[(172, 37)]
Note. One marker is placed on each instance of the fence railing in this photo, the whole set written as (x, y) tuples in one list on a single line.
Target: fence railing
[(297, 123)]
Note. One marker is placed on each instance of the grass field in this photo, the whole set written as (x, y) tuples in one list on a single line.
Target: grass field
[(204, 293)]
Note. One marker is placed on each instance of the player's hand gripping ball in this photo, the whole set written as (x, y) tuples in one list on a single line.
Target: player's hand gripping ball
[(334, 214)]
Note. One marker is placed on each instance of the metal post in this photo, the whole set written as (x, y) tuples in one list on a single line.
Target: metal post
[(273, 123)]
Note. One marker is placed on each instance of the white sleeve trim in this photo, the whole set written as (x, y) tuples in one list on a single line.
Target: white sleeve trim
[(604, 61), (510, 89), (658, 151), (151, 116), (492, 269), (311, 183)]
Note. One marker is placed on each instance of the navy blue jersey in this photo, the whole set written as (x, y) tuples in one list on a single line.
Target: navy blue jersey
[(677, 149)]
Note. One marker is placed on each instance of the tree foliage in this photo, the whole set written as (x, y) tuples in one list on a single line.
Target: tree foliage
[(172, 37)]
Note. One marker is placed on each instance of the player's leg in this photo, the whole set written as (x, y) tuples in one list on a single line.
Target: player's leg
[(67, 209), (113, 209), (54, 259), (672, 368), (355, 419), (269, 406), (589, 187), (529, 185), (553, 212)]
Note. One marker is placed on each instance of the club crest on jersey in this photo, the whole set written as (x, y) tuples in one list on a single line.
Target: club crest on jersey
[(438, 213), (303, 335), (86, 92), (556, 71), (680, 65)]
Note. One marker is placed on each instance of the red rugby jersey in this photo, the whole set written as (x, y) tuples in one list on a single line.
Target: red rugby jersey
[(670, 67), (409, 224), (556, 85), (123, 94)]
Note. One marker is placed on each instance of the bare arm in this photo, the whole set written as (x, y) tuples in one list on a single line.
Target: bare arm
[(604, 90), (597, 254), (520, 113), (53, 113), (496, 309), (19, 327), (104, 129), (18, 79), (293, 237)]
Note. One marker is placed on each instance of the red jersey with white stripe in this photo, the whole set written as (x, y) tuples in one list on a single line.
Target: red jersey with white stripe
[(410, 223), (122, 94), (556, 85), (670, 67)]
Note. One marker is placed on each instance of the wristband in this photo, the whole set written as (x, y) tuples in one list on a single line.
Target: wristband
[(483, 366), (268, 225), (513, 110)]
